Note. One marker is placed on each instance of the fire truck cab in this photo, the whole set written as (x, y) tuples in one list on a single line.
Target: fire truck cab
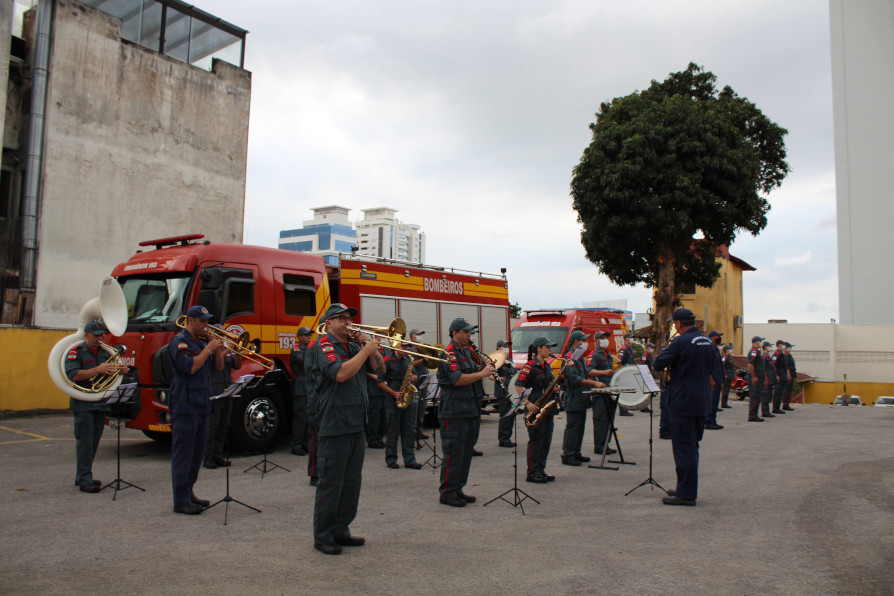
[(557, 325)]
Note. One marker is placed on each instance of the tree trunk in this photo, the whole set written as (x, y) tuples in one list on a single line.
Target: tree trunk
[(665, 298)]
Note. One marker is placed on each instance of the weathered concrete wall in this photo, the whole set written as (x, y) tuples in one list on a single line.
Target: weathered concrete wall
[(5, 37), (138, 146)]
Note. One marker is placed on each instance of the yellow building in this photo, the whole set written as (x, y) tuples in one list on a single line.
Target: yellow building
[(720, 307)]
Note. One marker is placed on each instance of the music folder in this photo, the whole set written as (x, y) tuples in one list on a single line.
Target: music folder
[(648, 379), (235, 387), (122, 394)]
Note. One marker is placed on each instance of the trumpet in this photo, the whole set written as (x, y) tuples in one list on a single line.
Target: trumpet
[(238, 343), (394, 333)]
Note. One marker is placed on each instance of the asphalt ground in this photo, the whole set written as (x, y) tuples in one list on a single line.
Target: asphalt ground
[(801, 504)]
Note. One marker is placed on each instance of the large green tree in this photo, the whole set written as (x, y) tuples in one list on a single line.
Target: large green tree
[(672, 173)]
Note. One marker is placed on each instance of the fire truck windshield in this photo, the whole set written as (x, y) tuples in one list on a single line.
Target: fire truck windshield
[(522, 337), (154, 299)]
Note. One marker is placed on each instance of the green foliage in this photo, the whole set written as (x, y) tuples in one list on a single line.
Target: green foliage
[(666, 163), (515, 311)]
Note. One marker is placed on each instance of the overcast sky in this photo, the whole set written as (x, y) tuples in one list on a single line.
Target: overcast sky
[(468, 117)]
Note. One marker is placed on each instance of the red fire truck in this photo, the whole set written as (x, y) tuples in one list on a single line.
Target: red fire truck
[(557, 325), (270, 293)]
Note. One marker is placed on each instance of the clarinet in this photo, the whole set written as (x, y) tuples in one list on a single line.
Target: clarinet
[(485, 360)]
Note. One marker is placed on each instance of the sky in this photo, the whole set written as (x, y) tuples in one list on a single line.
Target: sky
[(468, 117)]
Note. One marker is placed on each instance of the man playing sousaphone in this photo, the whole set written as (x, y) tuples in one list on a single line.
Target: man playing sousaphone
[(85, 361)]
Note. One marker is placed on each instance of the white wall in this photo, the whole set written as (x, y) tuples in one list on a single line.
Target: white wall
[(862, 36), (826, 351)]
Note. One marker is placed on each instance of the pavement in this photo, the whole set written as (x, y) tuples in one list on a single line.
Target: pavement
[(800, 504)]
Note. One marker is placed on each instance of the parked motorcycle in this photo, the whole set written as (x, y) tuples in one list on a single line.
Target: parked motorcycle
[(740, 384)]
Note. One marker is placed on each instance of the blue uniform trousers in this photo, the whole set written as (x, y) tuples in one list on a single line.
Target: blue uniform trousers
[(539, 440), (299, 422), (711, 416), (575, 422), (786, 398), (766, 397), (603, 417), (400, 424), (376, 426), (664, 413), (189, 433), (686, 432), (755, 391), (340, 470), (457, 441), (88, 427), (778, 393), (504, 425), (221, 412), (312, 449)]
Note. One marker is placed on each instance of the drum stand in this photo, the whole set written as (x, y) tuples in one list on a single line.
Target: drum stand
[(609, 399), (650, 481), (518, 495)]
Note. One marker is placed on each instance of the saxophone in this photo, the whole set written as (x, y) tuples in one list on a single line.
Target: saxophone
[(546, 402), (407, 389)]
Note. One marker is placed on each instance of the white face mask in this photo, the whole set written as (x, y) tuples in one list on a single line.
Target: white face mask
[(505, 350), (603, 343)]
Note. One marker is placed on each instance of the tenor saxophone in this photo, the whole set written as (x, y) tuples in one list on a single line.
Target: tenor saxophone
[(407, 389), (548, 402)]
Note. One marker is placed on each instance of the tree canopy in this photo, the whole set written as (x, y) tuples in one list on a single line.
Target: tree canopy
[(672, 173)]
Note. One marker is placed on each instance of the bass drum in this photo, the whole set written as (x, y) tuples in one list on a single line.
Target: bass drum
[(629, 376)]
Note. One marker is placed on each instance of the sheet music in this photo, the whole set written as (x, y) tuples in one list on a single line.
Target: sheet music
[(579, 351), (122, 394), (235, 387), (648, 379)]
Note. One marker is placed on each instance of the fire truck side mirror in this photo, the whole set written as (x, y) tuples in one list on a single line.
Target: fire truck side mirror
[(211, 278)]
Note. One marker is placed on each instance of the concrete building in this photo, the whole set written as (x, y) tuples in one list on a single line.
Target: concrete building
[(108, 139), (120, 143), (380, 234), (828, 352), (329, 233), (862, 36)]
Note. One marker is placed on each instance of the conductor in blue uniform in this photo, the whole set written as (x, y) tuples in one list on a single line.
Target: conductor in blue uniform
[(192, 358), (693, 360)]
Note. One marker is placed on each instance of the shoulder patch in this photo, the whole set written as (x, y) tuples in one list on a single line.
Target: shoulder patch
[(182, 346), (73, 355)]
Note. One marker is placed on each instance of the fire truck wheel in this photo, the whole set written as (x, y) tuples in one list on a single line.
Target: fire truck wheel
[(257, 420)]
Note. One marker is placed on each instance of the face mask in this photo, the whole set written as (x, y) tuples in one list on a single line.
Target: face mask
[(505, 350), (603, 343)]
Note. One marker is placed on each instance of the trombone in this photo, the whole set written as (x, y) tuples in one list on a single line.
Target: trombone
[(237, 343), (394, 333)]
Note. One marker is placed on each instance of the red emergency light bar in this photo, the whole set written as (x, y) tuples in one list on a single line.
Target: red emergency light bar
[(162, 242)]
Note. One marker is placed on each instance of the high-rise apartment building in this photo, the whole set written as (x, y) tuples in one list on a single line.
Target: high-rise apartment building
[(327, 234), (378, 234)]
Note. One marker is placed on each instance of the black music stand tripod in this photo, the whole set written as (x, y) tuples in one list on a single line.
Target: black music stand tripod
[(648, 481), (518, 495), (227, 498), (434, 460), (123, 395)]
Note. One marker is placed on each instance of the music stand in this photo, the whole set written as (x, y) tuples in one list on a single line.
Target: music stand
[(122, 395), (434, 459), (232, 390), (649, 386), (265, 465), (515, 490)]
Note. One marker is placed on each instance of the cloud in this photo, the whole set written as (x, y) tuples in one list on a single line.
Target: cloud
[(791, 261), (468, 118)]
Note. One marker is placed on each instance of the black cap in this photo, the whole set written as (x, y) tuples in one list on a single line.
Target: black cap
[(303, 331), (460, 323), (626, 335), (578, 334), (779, 342), (198, 312), (601, 334), (756, 338), (715, 334), (337, 309), (768, 344), (684, 315), (503, 342), (542, 341)]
